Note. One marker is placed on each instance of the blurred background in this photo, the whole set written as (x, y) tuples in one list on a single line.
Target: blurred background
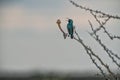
[(31, 43)]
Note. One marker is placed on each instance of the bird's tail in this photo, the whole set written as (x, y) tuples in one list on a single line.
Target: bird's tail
[(71, 36)]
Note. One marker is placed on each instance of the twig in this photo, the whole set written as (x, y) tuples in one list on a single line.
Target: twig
[(103, 15), (99, 28), (96, 11), (108, 51), (91, 53), (64, 34), (102, 26)]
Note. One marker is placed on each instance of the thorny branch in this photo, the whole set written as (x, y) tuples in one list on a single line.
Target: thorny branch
[(96, 11), (104, 15), (102, 26), (108, 51), (97, 14), (103, 23), (91, 55)]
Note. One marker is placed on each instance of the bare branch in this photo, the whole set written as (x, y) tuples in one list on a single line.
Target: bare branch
[(108, 51), (64, 34), (102, 26), (103, 15), (92, 54), (96, 11), (99, 28)]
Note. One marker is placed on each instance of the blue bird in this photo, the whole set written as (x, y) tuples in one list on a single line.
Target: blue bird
[(70, 27)]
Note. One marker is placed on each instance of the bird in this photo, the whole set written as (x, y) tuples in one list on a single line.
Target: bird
[(70, 28)]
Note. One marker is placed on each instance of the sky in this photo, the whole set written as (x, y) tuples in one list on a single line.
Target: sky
[(30, 38)]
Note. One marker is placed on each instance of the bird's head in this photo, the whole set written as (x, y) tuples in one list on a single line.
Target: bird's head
[(70, 21)]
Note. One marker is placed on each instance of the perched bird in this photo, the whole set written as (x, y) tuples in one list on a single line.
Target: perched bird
[(70, 27)]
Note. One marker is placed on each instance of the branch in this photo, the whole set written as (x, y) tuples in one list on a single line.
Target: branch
[(108, 51), (96, 11), (99, 28), (91, 55), (64, 34), (103, 15), (102, 26), (80, 41)]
